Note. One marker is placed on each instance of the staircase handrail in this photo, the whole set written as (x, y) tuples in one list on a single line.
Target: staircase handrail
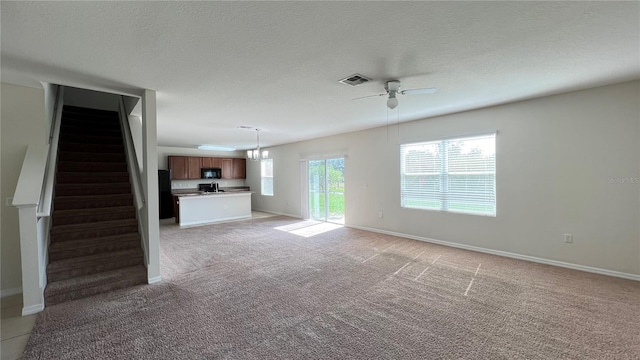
[(132, 159), (46, 194)]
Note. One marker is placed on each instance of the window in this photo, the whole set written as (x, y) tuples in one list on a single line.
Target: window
[(456, 175), (266, 177)]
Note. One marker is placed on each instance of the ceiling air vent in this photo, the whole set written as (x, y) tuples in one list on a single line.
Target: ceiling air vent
[(354, 80)]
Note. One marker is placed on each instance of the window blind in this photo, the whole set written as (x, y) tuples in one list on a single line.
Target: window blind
[(456, 175)]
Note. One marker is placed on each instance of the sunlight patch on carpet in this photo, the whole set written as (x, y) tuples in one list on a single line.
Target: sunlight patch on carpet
[(308, 228)]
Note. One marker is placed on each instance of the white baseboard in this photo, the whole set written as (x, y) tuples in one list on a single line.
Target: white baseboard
[(154, 280), (507, 254), (278, 213), (32, 309), (231, 218), (10, 292)]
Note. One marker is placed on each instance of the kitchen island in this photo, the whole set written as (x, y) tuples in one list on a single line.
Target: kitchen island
[(204, 208)]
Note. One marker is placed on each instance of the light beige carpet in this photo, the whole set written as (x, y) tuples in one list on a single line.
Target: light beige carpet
[(269, 288)]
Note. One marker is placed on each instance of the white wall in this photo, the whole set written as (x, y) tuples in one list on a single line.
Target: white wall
[(561, 165), (23, 123), (90, 99), (165, 151)]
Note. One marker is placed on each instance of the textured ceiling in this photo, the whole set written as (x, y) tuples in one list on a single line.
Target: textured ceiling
[(275, 65)]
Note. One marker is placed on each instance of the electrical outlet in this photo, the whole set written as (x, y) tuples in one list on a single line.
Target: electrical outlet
[(380, 214), (568, 238)]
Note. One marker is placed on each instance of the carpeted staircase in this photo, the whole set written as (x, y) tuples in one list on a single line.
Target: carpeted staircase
[(95, 244)]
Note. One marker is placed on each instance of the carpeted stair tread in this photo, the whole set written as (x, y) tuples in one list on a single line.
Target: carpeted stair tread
[(90, 230), (86, 120), (92, 148), (85, 286), (81, 166), (93, 189), (82, 243), (93, 264), (109, 131), (93, 230), (84, 178), (92, 201), (84, 247), (76, 216), (92, 260), (80, 118), (58, 229), (90, 197), (91, 157), (90, 123), (66, 113), (90, 139), (88, 212)]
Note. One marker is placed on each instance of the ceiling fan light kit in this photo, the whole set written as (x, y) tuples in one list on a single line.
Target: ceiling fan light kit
[(392, 102), (392, 88)]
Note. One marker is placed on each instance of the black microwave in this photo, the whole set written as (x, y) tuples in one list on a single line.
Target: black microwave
[(210, 173)]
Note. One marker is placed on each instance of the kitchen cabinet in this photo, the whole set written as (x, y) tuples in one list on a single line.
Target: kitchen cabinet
[(179, 166), (195, 164), (211, 162), (227, 168), (239, 168), (185, 167), (188, 167)]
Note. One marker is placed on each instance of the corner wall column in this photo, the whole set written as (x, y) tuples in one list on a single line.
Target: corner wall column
[(150, 184)]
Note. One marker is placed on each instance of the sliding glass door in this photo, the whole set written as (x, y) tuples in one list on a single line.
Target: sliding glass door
[(326, 190)]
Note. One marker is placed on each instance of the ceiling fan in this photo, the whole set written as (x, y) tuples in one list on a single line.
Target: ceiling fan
[(392, 88)]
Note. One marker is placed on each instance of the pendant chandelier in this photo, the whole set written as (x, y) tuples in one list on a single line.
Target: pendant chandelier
[(257, 154)]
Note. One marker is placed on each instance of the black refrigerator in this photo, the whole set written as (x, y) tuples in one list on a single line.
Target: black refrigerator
[(165, 199)]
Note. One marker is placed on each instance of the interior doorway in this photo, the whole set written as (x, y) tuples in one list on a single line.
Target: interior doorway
[(326, 190)]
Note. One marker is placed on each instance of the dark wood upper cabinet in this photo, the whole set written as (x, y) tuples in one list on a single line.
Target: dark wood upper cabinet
[(179, 167), (211, 162), (239, 168), (195, 163), (227, 168), (188, 167)]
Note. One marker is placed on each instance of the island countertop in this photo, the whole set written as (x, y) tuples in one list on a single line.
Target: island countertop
[(180, 192), (211, 193)]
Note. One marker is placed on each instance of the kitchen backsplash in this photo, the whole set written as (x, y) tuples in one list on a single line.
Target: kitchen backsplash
[(193, 184)]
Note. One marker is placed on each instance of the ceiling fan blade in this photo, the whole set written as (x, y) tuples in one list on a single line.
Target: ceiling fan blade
[(418, 91), (368, 96)]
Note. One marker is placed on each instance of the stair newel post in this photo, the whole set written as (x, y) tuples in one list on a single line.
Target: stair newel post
[(30, 250)]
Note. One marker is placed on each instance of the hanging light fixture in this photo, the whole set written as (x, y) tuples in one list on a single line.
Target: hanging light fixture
[(257, 154)]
